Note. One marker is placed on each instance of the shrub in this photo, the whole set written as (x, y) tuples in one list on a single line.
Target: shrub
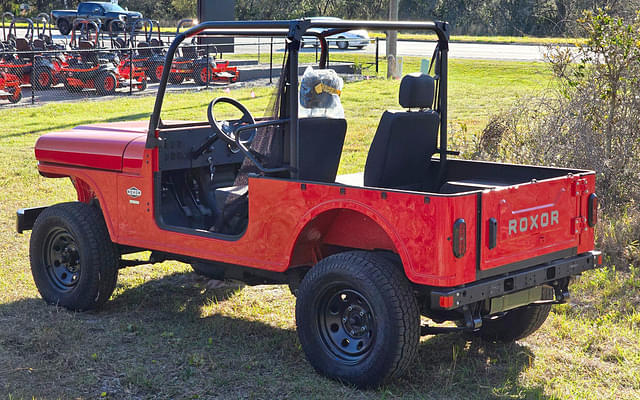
[(590, 120)]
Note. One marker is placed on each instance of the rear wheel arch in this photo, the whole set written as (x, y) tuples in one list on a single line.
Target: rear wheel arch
[(331, 230)]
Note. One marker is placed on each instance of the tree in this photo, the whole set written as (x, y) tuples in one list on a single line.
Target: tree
[(590, 121), (185, 8)]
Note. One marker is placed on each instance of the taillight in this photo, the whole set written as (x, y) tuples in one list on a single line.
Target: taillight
[(459, 238), (592, 213)]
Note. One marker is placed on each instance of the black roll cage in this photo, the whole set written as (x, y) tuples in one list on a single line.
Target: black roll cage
[(293, 30)]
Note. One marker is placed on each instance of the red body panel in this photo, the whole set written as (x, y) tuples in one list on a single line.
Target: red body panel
[(533, 219), (94, 146), (290, 223)]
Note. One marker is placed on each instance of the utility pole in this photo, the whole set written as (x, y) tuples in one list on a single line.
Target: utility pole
[(392, 42)]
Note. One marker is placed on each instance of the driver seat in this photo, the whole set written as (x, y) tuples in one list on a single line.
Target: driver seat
[(401, 151), (320, 145)]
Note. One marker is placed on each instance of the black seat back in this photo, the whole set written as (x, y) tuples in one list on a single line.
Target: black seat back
[(320, 145), (87, 55), (144, 50), (400, 154), (22, 44), (38, 44), (189, 52)]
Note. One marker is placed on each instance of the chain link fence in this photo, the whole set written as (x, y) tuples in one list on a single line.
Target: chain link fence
[(45, 72)]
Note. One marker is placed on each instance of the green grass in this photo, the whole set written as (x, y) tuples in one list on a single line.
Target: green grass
[(166, 334)]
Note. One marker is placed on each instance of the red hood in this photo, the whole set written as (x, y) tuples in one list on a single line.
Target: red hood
[(100, 146)]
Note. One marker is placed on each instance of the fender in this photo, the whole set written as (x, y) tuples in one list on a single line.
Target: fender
[(87, 188), (305, 240)]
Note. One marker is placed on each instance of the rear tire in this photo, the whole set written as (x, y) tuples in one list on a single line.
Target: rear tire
[(515, 324), (73, 261), (106, 83), (357, 318), (41, 79), (342, 43)]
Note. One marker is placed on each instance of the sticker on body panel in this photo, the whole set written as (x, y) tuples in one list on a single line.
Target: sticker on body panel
[(134, 192)]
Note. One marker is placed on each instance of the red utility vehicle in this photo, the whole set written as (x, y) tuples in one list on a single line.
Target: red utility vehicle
[(490, 246), (24, 61)]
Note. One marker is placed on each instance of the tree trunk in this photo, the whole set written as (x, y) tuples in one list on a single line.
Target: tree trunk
[(392, 42)]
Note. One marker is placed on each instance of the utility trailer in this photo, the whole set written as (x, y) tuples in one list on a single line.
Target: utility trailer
[(486, 245)]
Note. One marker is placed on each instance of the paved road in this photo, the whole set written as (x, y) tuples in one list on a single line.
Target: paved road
[(478, 51)]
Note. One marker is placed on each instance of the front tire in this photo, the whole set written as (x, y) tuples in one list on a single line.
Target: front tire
[(357, 318), (202, 74), (73, 261), (342, 43), (156, 73), (515, 324), (16, 95)]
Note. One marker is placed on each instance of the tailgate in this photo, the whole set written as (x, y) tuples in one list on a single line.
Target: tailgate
[(532, 223)]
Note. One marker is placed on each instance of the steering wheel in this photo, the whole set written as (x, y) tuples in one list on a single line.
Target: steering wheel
[(225, 129)]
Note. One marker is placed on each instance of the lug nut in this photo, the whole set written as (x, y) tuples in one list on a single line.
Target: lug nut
[(362, 313), (344, 319), (349, 308)]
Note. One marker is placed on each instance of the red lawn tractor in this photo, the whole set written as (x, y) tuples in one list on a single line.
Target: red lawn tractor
[(10, 88), (94, 68), (195, 63), (136, 58), (24, 61), (489, 246)]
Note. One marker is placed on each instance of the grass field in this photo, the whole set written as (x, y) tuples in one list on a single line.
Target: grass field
[(166, 334)]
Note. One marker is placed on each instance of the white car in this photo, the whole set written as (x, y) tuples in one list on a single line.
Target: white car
[(356, 38)]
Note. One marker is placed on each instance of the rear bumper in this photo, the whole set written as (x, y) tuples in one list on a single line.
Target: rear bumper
[(456, 297), (26, 217)]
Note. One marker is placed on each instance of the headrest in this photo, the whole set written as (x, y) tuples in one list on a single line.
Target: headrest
[(416, 91)]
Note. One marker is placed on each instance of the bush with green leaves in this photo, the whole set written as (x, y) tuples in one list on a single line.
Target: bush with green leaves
[(590, 119)]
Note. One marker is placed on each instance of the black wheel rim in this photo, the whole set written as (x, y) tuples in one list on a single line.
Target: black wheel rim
[(346, 324), (61, 258)]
